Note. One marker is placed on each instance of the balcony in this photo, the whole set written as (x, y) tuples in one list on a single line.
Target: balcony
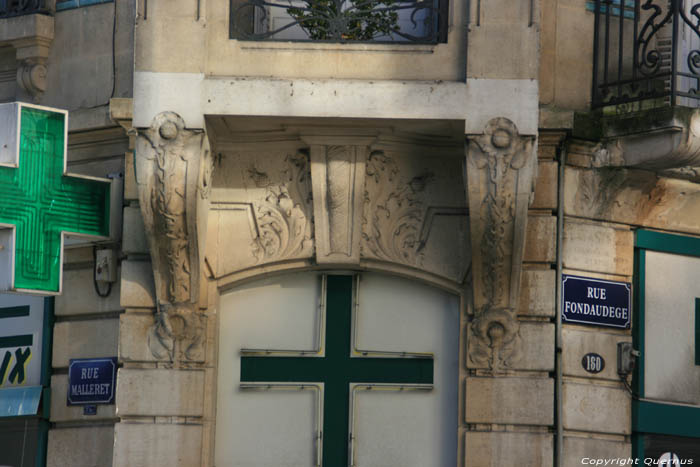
[(388, 21), (646, 54), (9, 8)]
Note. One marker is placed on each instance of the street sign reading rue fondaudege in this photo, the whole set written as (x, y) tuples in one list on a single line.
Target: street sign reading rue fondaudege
[(91, 381), (596, 302)]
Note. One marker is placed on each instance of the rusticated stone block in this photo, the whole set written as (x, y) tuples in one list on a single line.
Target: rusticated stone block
[(577, 451), (84, 339), (546, 185), (510, 400), (134, 236), (578, 343), (133, 337), (160, 392), (83, 447), (156, 445), (589, 407), (540, 241), (598, 248), (497, 449), (138, 288), (537, 292), (82, 298)]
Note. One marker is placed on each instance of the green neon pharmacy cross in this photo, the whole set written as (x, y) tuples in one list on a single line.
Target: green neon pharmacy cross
[(39, 201), (337, 370)]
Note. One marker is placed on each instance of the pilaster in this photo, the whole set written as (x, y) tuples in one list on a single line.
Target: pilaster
[(510, 339), (165, 342)]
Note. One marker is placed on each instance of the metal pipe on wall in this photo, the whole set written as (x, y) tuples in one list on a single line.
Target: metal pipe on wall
[(559, 428)]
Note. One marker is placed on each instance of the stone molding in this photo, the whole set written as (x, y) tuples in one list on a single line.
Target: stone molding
[(501, 173), (173, 167), (670, 141)]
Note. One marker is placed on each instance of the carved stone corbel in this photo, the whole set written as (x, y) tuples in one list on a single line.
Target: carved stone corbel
[(31, 77), (501, 171), (173, 168)]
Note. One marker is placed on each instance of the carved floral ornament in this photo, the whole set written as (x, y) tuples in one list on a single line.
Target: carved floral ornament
[(501, 171), (283, 216)]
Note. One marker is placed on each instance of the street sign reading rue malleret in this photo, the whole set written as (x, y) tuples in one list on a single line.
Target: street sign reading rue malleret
[(91, 380), (40, 202)]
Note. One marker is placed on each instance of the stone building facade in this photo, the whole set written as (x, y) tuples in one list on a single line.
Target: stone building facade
[(415, 205)]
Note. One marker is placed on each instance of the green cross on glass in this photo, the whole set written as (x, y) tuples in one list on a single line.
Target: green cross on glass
[(41, 202), (337, 370)]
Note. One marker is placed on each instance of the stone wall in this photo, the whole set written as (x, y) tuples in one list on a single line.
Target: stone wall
[(87, 325), (603, 206)]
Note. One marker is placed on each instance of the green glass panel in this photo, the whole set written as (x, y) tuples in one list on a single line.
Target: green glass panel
[(41, 202), (337, 370)]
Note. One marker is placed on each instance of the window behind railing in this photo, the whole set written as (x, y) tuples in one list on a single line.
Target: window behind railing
[(10, 8), (646, 53), (340, 20)]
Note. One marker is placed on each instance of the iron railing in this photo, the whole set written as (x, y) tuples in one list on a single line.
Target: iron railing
[(646, 53), (422, 21), (10, 8)]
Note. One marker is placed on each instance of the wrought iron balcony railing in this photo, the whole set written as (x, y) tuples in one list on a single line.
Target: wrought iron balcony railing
[(422, 21), (646, 53), (10, 8)]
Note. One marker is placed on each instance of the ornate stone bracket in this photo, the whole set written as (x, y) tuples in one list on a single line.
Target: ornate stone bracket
[(31, 76), (173, 168), (501, 171), (338, 180), (31, 37)]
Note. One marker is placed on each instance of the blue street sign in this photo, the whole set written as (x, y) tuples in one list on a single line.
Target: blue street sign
[(596, 302), (92, 381)]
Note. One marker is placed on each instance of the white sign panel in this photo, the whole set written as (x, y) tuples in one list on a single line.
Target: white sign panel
[(275, 333), (21, 334), (670, 289)]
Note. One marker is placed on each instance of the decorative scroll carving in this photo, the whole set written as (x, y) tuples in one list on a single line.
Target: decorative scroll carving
[(284, 225), (177, 334), (31, 76), (394, 212), (338, 173), (173, 173), (501, 168)]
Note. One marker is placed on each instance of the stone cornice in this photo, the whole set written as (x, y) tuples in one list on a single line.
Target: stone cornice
[(658, 139)]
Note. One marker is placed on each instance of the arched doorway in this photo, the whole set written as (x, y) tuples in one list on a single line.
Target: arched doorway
[(337, 369)]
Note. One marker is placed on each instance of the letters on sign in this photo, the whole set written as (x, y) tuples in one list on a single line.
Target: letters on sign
[(21, 339), (91, 381)]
